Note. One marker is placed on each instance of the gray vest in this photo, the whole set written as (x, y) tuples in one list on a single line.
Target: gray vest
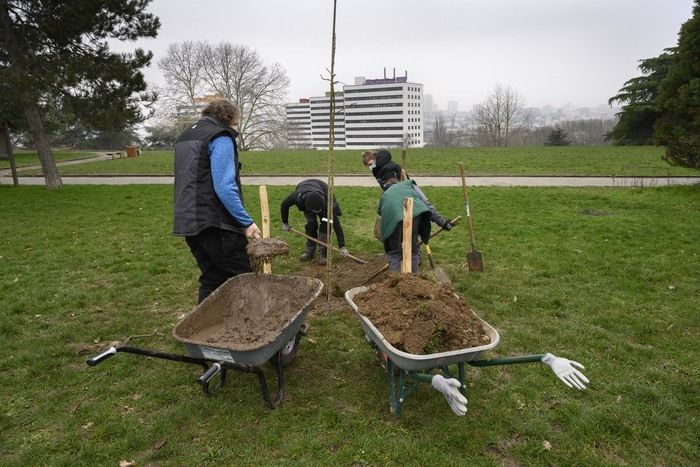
[(196, 205)]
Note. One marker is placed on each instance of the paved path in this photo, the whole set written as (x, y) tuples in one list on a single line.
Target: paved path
[(361, 180), (367, 181)]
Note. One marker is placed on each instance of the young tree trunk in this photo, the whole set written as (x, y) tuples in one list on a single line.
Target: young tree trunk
[(48, 165)]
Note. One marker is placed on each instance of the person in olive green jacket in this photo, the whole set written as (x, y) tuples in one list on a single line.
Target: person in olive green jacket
[(391, 223)]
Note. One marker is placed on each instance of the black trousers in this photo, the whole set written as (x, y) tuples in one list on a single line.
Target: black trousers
[(220, 254), (393, 247), (315, 229)]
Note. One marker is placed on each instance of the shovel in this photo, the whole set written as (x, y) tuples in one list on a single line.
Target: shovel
[(474, 260), (439, 273)]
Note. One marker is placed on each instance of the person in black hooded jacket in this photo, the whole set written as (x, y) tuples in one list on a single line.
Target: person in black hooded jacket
[(385, 170), (311, 197)]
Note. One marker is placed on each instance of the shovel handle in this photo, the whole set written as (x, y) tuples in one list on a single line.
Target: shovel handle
[(316, 240)]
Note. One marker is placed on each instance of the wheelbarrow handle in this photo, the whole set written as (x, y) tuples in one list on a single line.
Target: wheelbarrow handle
[(209, 374), (103, 356)]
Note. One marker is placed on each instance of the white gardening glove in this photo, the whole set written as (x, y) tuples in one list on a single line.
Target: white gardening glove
[(344, 252), (566, 371), (450, 389)]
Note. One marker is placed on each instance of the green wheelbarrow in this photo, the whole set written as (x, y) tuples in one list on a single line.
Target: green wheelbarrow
[(445, 370)]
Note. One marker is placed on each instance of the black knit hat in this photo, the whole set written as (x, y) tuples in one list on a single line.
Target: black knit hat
[(314, 202)]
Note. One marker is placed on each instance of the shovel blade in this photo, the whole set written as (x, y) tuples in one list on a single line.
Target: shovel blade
[(475, 262), (441, 276)]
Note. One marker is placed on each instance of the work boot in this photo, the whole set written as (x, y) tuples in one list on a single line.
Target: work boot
[(308, 254), (322, 257)]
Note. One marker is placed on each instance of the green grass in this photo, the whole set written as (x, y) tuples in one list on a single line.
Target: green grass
[(26, 158), (575, 161), (608, 277)]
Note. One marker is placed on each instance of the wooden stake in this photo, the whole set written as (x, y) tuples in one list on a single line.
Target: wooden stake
[(265, 210), (407, 239)]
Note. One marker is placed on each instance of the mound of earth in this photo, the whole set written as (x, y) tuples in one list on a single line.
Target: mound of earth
[(419, 316)]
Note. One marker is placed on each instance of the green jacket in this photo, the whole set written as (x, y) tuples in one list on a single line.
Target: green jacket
[(391, 207)]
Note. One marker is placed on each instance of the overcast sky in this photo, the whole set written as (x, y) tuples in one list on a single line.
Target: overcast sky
[(552, 51)]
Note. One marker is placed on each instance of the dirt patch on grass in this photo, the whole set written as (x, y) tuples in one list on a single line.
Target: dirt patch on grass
[(421, 317), (347, 274)]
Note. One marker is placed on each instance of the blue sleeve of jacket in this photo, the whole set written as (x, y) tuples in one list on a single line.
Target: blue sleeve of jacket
[(223, 174)]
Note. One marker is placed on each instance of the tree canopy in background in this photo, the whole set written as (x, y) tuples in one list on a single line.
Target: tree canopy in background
[(557, 137), (663, 105), (195, 70), (678, 126), (638, 96), (56, 68)]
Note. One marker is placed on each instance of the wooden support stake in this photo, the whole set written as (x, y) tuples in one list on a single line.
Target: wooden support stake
[(407, 239), (265, 209)]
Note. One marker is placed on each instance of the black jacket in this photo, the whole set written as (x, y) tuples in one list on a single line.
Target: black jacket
[(385, 169), (196, 205), (298, 198)]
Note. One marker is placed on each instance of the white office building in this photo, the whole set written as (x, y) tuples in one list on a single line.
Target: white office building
[(370, 114), (320, 121), (299, 124)]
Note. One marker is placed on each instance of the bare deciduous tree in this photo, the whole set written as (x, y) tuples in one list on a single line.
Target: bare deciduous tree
[(237, 73), (499, 116), (182, 69)]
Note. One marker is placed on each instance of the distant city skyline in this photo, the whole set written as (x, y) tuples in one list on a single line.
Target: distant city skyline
[(552, 52)]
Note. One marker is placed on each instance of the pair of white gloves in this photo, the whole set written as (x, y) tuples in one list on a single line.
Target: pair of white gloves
[(566, 370)]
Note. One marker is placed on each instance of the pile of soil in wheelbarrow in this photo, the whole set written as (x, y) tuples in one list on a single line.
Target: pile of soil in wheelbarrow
[(419, 316), (247, 311)]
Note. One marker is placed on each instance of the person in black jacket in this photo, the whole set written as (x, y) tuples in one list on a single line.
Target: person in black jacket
[(208, 199), (311, 197)]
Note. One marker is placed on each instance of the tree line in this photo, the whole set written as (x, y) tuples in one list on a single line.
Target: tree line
[(502, 120), (61, 84)]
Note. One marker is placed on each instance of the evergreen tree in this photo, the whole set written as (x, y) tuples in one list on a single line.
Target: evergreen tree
[(557, 137), (55, 63), (678, 127), (638, 96)]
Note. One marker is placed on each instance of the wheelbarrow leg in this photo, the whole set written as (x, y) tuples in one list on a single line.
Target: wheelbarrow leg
[(280, 382), (391, 380)]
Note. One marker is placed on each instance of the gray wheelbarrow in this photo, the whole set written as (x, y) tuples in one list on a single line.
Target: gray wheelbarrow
[(249, 320), (405, 370)]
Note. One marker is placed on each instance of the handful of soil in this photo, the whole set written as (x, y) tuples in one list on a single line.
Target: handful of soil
[(261, 250), (421, 317)]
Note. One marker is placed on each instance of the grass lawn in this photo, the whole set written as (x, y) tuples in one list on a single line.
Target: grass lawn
[(581, 161), (607, 277)]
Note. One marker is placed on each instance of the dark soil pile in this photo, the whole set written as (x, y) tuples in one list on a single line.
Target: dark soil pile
[(421, 317)]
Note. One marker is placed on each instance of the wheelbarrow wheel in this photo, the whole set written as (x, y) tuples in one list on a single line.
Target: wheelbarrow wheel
[(289, 352)]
